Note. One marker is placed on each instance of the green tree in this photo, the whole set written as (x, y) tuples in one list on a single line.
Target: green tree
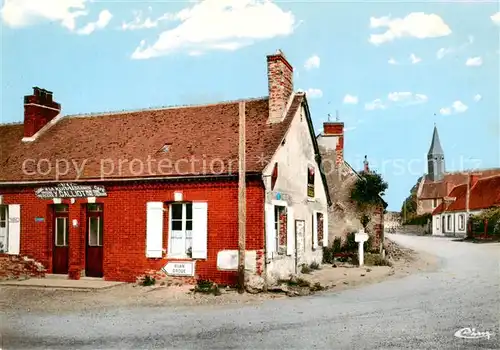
[(366, 193)]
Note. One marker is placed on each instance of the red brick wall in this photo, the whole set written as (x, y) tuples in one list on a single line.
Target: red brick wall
[(125, 226)]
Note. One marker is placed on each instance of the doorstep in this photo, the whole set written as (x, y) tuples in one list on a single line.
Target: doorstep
[(62, 282)]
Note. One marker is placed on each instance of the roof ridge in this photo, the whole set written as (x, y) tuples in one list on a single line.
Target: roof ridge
[(466, 171), (124, 111), (11, 123), (488, 177)]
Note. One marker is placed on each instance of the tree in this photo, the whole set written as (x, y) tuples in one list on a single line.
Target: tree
[(366, 193), (409, 205)]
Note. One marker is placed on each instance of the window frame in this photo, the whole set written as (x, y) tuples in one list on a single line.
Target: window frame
[(461, 222), (95, 211), (184, 220), (61, 211), (5, 209), (438, 219), (311, 180), (280, 249), (449, 222)]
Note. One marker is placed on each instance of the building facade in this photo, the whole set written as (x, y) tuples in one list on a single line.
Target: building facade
[(113, 195), (437, 184), (450, 218)]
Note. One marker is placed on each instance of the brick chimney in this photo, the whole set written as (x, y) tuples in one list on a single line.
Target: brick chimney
[(333, 138), (39, 109), (280, 83)]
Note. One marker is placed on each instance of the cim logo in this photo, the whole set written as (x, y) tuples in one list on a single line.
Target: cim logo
[(471, 333)]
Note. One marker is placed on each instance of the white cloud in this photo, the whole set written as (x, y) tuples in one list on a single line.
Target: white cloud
[(350, 128), (478, 98), (392, 61), (455, 108), (23, 13), (496, 18), (220, 25), (312, 62), (139, 23), (445, 51), (474, 61), (417, 24), (314, 93), (375, 104), (350, 99), (414, 59), (407, 98), (102, 21)]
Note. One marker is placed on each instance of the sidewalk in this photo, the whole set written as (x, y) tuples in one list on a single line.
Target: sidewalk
[(52, 282)]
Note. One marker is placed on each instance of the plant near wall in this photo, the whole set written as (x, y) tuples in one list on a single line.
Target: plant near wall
[(366, 193)]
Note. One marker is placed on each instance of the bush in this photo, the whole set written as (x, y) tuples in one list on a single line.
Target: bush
[(350, 244), (148, 280), (337, 245), (207, 287), (314, 266), (305, 269), (420, 220), (328, 255)]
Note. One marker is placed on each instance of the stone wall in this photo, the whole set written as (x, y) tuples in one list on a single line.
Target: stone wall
[(414, 229), (16, 267)]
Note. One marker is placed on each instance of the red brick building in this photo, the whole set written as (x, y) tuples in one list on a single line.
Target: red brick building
[(114, 195)]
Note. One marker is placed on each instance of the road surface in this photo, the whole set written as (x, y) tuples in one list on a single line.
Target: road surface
[(421, 311)]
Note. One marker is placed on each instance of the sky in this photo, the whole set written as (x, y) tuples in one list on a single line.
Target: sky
[(392, 70)]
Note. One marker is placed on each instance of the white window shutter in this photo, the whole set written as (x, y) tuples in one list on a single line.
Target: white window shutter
[(154, 229), (315, 230), (325, 229), (14, 231), (290, 231), (200, 230), (270, 231)]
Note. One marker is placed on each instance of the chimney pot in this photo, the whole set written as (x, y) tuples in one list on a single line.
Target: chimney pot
[(39, 110)]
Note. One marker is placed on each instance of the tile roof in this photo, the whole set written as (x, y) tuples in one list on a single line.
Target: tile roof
[(203, 141), (483, 195), (439, 189)]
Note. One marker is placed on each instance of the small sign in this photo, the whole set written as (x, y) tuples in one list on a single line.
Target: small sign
[(13, 220), (39, 219), (184, 268), (360, 237), (68, 190)]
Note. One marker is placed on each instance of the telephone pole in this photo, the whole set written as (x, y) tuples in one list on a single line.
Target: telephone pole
[(241, 201)]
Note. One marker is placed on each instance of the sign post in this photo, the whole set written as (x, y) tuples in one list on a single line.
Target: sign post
[(361, 237)]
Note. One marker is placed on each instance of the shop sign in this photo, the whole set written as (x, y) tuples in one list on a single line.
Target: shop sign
[(68, 190)]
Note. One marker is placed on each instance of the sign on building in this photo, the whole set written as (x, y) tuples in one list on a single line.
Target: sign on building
[(179, 268), (68, 190)]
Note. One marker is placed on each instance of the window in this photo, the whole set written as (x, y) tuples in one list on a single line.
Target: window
[(319, 223), (181, 229), (437, 223), (61, 225), (274, 176), (3, 228), (442, 223), (310, 181), (450, 223), (95, 224), (434, 203), (280, 227), (461, 222)]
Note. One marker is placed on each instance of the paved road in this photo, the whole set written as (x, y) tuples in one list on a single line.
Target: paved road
[(421, 311)]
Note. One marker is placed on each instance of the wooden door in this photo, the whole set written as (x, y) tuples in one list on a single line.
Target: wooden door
[(94, 247), (60, 256)]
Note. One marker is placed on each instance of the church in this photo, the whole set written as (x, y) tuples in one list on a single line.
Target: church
[(437, 184), (439, 191)]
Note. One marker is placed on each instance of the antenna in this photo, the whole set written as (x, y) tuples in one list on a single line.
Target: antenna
[(329, 117), (337, 115)]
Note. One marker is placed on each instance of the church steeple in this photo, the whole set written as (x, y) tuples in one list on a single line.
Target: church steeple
[(435, 158)]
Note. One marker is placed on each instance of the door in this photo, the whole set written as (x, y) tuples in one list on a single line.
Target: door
[(300, 245), (4, 226), (60, 257), (94, 247)]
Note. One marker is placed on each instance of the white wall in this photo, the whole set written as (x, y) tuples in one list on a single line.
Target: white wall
[(454, 228), (293, 158)]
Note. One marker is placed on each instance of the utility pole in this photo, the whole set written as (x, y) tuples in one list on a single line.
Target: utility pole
[(241, 201)]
